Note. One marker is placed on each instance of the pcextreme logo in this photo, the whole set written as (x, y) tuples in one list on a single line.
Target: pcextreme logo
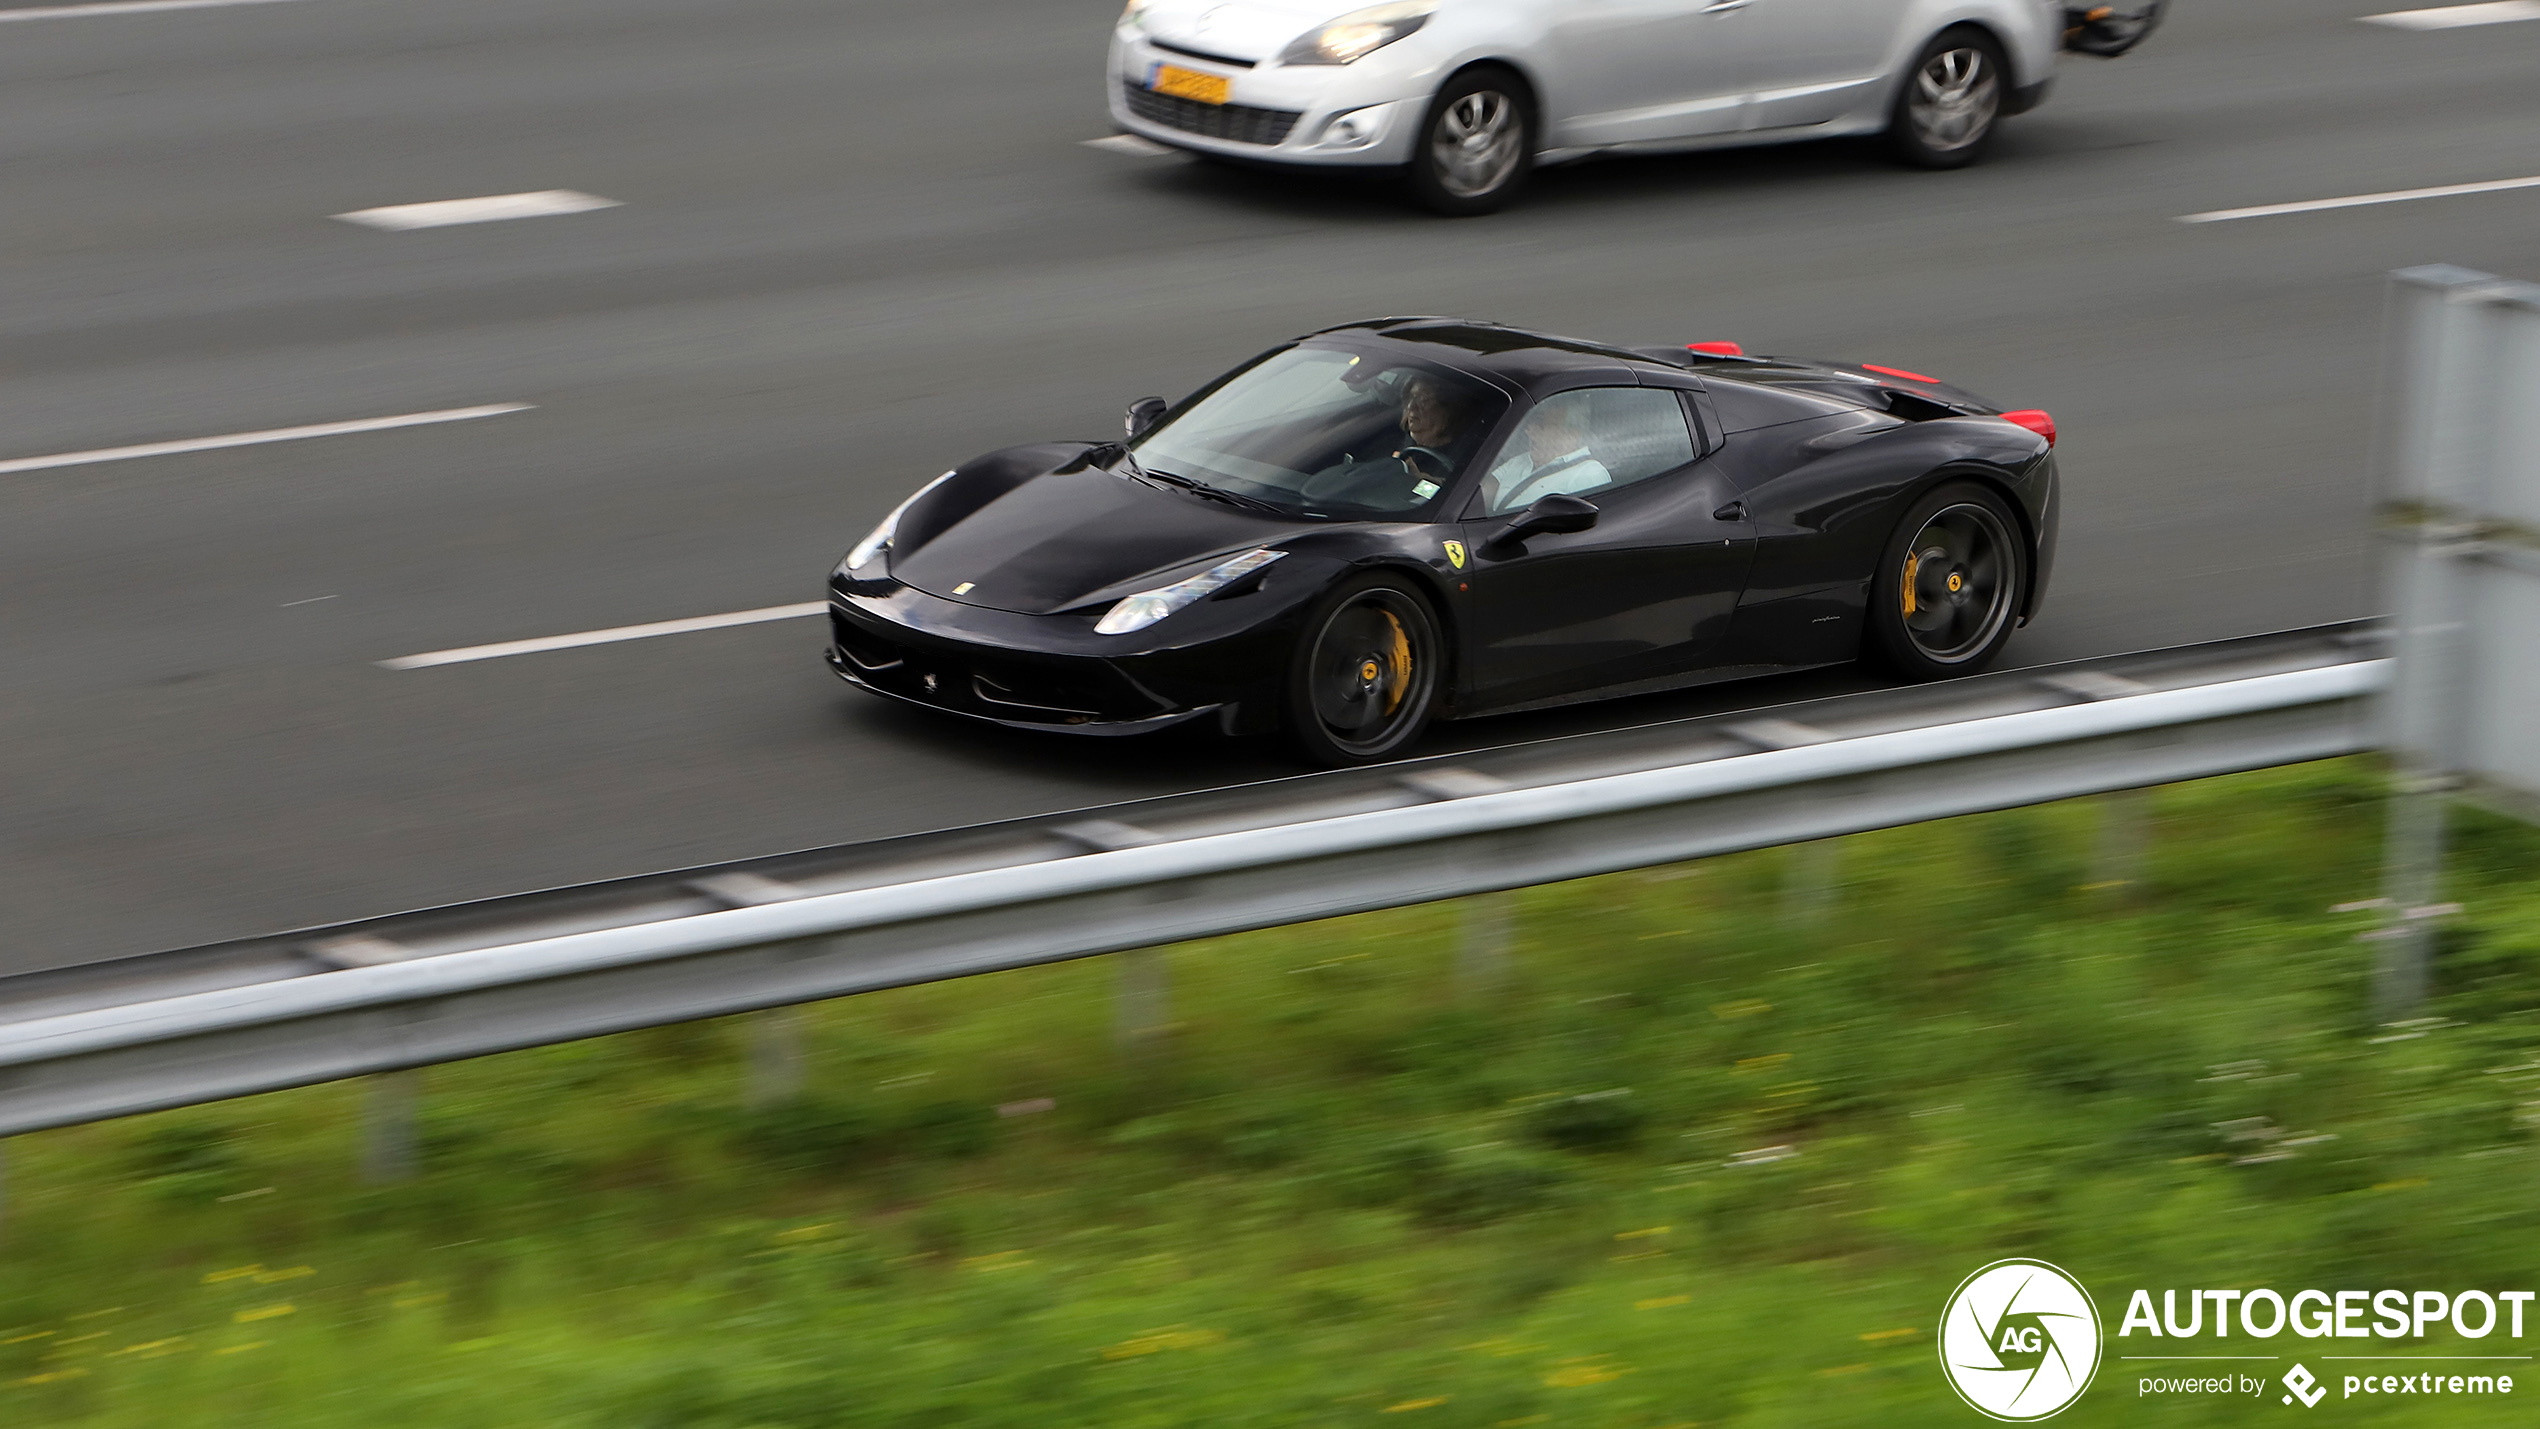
[(2019, 1340), (2303, 1385)]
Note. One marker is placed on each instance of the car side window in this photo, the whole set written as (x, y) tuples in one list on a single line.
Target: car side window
[(1588, 440)]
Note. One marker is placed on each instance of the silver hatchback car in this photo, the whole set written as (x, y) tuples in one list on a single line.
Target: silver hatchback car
[(1466, 96)]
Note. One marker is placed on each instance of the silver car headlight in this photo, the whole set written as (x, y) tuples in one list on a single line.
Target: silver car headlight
[(1137, 612), (1358, 34), (880, 539)]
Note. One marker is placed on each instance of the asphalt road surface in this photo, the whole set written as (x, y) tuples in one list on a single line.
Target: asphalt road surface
[(856, 242)]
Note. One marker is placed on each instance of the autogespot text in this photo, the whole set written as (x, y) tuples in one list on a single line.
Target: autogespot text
[(2318, 1314)]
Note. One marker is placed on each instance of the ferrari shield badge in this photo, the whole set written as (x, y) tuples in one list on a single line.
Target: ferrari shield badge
[(1455, 554)]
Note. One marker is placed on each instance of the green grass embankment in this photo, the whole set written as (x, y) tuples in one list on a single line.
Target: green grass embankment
[(1693, 1164)]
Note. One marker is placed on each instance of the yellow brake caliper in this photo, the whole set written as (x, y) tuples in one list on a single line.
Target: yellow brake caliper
[(1397, 665), (1913, 566)]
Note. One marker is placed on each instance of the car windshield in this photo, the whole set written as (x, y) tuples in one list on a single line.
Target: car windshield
[(1323, 431)]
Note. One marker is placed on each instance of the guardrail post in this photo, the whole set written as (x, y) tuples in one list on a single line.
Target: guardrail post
[(2458, 459), (2411, 880), (776, 1056), (1145, 999), (2125, 834), (388, 1126), (1486, 928), (1810, 880)]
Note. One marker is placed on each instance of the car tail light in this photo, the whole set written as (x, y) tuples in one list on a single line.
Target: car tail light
[(1897, 372), (1716, 349), (2035, 420)]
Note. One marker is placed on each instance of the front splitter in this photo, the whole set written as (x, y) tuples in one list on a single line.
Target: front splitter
[(844, 670)]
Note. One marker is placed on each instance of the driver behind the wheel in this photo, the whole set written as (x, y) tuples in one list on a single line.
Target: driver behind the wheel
[(1433, 418), (1551, 456), (1431, 421)]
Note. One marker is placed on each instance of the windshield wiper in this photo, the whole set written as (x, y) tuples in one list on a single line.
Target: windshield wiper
[(1215, 493), (1114, 456)]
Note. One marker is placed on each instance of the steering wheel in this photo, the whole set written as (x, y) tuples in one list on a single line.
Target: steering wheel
[(1436, 461)]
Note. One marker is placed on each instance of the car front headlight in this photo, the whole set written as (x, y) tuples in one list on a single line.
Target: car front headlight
[(1135, 8), (1357, 34), (1137, 612), (880, 539)]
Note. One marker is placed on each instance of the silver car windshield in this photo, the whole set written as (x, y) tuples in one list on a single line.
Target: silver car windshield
[(1329, 432)]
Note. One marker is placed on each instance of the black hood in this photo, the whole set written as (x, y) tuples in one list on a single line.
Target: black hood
[(1069, 538)]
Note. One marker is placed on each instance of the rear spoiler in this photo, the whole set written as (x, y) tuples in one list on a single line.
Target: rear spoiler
[(1900, 392), (1906, 392)]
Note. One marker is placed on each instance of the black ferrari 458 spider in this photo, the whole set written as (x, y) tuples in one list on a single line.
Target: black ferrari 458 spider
[(1429, 518)]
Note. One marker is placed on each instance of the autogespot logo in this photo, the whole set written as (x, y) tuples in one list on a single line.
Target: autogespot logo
[(2019, 1340)]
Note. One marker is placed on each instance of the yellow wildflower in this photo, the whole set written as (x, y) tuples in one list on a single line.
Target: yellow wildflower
[(1585, 1370), (1173, 1337)]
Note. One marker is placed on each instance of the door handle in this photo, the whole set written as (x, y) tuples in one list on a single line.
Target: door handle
[(1735, 510), (1718, 6)]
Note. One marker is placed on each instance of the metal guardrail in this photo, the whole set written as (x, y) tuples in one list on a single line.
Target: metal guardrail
[(204, 1024)]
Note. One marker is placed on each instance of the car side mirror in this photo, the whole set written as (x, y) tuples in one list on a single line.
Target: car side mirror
[(1552, 515), (1144, 413)]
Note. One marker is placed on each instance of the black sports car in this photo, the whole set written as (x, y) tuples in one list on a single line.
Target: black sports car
[(1418, 518)]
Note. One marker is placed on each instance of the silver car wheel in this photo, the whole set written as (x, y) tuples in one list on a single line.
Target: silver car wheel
[(1476, 143), (1954, 99)]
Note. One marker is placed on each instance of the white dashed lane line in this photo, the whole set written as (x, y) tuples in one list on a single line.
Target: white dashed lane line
[(250, 439), (121, 7), (442, 213), (2453, 17), (1130, 144), (2316, 205), (603, 637)]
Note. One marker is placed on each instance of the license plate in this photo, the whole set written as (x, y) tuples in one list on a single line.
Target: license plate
[(1191, 84)]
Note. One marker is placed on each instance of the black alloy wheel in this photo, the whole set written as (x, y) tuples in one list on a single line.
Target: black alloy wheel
[(1477, 145), (2112, 33), (1949, 585), (1365, 673), (1951, 102)]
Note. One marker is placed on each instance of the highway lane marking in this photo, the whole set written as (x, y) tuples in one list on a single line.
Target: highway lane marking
[(123, 7), (249, 439), (603, 637), (494, 208), (1130, 144), (2225, 215), (2453, 17)]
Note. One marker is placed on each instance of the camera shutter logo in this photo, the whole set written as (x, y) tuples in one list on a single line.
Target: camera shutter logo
[(2019, 1340)]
